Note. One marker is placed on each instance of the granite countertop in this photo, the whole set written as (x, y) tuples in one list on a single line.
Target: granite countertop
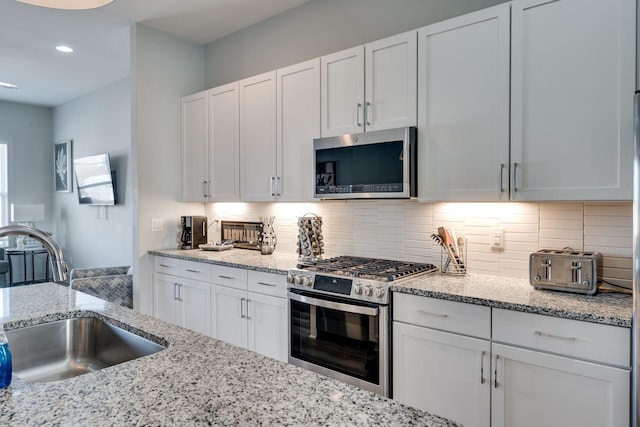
[(494, 291), (196, 380), (517, 294)]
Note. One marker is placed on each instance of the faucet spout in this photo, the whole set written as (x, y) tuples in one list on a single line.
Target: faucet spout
[(59, 266)]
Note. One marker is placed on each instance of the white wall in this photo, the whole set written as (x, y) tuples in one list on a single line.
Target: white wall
[(397, 229), (29, 130), (165, 68), (99, 122), (317, 28)]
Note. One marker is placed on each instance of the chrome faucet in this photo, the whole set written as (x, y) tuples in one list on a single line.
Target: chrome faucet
[(60, 267)]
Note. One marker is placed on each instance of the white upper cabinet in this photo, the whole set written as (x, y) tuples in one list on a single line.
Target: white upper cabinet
[(298, 123), (370, 87), (463, 107), (572, 84), (194, 147), (224, 143), (209, 145), (258, 138), (391, 82)]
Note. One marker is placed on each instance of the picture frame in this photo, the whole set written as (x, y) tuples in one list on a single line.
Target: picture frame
[(62, 166)]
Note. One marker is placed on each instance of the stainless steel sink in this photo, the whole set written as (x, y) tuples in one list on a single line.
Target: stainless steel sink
[(67, 348)]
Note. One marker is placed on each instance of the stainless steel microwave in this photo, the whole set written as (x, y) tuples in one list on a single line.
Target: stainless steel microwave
[(380, 164)]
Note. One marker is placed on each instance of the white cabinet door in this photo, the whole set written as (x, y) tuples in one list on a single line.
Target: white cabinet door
[(391, 82), (193, 147), (572, 84), (224, 143), (463, 107), (442, 373), (165, 293), (298, 115), (195, 301), (258, 138), (228, 315), (538, 389), (267, 325), (342, 100)]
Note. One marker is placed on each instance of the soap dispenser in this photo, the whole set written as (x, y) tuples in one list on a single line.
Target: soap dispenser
[(5, 361)]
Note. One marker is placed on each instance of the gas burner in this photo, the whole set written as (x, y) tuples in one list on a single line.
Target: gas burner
[(367, 268)]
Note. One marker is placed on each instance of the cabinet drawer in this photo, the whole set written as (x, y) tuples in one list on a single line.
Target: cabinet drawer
[(451, 316), (582, 340), (229, 276), (166, 265), (195, 270), (267, 283)]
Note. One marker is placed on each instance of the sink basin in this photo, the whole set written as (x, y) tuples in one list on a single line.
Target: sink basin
[(67, 348)]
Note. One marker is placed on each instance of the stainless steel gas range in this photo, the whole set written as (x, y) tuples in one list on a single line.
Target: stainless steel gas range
[(339, 317)]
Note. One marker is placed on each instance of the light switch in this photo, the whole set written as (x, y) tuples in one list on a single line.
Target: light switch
[(157, 224)]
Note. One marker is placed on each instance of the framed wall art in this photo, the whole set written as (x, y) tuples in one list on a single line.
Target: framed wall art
[(62, 161)]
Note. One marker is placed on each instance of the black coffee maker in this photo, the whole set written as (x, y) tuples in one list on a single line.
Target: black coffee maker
[(194, 231)]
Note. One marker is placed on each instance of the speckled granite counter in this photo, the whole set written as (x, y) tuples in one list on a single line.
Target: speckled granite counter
[(516, 294), (494, 291), (277, 262), (195, 381)]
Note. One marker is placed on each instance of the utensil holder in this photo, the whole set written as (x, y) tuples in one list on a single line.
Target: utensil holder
[(456, 266)]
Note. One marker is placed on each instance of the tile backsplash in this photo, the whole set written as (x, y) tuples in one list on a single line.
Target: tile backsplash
[(400, 229)]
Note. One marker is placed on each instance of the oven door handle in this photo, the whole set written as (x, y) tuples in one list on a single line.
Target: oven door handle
[(349, 308)]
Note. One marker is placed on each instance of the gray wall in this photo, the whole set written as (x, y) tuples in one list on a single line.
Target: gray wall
[(320, 27), (165, 68), (29, 128), (93, 236)]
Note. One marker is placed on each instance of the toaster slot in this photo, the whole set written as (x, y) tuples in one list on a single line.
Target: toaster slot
[(576, 272)]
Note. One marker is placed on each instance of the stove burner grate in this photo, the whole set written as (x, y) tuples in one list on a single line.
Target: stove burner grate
[(368, 268)]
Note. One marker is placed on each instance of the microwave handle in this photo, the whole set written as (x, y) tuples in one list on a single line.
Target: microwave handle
[(349, 308)]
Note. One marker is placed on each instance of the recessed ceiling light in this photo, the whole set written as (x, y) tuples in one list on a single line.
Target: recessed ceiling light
[(68, 4), (8, 85), (64, 49)]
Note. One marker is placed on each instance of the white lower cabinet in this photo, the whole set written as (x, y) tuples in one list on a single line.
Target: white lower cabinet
[(528, 370), (249, 309), (183, 302)]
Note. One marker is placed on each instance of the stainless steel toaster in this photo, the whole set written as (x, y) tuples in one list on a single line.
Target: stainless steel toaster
[(566, 270)]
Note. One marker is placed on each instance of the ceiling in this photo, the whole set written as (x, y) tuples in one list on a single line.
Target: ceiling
[(100, 37)]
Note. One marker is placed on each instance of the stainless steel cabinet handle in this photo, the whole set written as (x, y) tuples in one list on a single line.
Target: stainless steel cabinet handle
[(502, 177), (242, 308), (427, 313), (278, 185), (515, 170), (482, 366), (226, 277), (495, 373), (367, 112), (204, 188), (557, 337), (272, 186), (165, 266), (193, 271), (175, 291), (246, 303), (358, 108), (267, 284)]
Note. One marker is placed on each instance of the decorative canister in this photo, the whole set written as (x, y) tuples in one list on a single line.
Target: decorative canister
[(310, 240), (267, 239)]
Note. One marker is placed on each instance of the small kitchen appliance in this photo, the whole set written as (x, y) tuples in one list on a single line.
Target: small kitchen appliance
[(566, 270), (243, 234), (379, 164), (339, 317), (194, 231)]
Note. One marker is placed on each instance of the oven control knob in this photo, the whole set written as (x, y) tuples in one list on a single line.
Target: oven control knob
[(368, 290), (306, 281), (297, 280), (358, 289), (379, 292), (290, 278)]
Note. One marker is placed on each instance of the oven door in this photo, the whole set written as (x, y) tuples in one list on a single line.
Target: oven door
[(341, 339)]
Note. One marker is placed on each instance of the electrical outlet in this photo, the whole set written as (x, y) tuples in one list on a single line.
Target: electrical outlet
[(496, 238)]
